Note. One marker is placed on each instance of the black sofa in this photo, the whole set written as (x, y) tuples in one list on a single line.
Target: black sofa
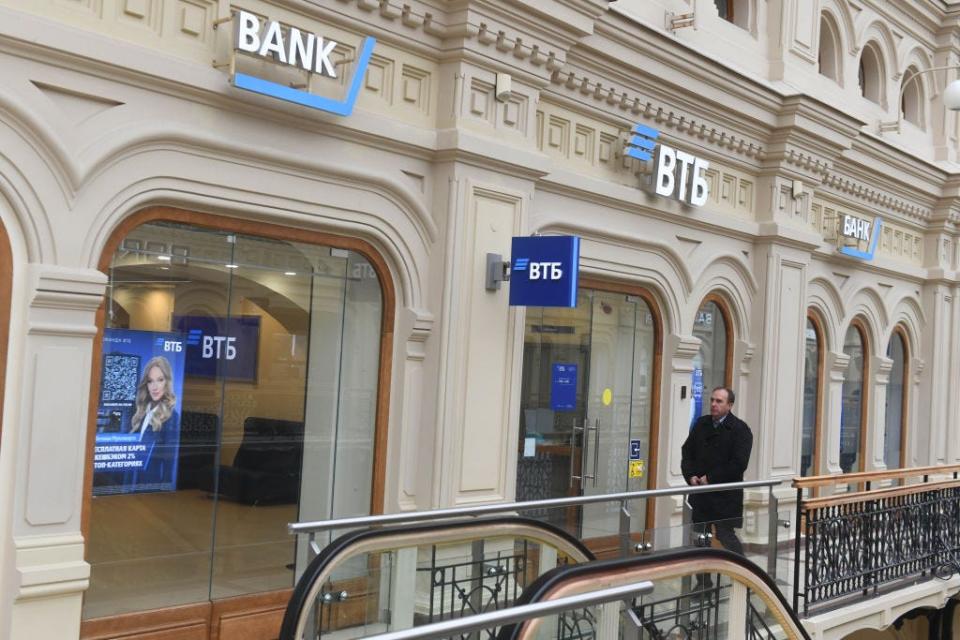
[(198, 449), (266, 469)]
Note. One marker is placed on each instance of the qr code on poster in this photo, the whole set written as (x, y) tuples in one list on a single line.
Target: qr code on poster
[(120, 371)]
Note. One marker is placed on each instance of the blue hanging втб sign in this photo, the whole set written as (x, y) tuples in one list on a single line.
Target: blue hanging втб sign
[(544, 271)]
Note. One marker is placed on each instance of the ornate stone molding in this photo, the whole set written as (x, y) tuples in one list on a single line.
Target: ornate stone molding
[(659, 114), (877, 197), (526, 41)]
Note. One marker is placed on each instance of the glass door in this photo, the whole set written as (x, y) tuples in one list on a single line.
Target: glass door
[(585, 418)]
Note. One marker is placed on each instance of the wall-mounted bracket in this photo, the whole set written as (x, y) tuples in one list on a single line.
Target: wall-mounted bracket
[(498, 271), (674, 21)]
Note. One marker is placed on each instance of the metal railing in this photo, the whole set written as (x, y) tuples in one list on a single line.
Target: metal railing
[(456, 585), (856, 543), (741, 602), (519, 613), (627, 546)]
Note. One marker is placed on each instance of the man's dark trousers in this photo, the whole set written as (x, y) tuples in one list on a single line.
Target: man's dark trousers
[(724, 533)]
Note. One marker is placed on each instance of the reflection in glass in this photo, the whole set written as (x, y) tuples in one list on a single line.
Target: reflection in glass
[(710, 363), (278, 407), (811, 399), (892, 445), (852, 405)]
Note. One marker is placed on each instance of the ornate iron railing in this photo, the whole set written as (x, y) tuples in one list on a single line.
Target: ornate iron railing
[(693, 614), (857, 543), (757, 628), (483, 583)]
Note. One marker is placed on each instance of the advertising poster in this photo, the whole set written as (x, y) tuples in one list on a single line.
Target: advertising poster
[(563, 387), (224, 347), (138, 417)]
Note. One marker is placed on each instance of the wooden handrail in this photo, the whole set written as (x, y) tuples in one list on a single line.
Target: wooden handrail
[(871, 476), (863, 496)]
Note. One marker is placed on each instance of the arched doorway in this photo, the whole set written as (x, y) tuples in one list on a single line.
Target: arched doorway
[(589, 405)]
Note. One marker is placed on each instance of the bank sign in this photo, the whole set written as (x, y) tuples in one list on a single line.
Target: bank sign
[(220, 347), (544, 271), (676, 174), (310, 52), (863, 232)]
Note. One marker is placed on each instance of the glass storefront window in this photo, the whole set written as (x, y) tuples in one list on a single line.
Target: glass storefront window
[(587, 403), (239, 393), (710, 363), (893, 431), (852, 404), (811, 400)]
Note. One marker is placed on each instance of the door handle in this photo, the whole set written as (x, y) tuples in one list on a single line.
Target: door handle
[(573, 446), (596, 448)]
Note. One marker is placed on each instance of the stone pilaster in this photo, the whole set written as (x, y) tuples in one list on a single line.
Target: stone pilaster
[(52, 446)]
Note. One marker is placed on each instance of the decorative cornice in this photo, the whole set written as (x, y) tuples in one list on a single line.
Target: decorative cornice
[(659, 114), (877, 197), (804, 161), (512, 33)]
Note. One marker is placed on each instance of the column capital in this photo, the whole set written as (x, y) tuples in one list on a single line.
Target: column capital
[(836, 364), (684, 348)]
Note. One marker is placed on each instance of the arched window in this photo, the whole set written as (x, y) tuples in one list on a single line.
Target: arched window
[(812, 379), (734, 11), (828, 54), (724, 9), (241, 385), (711, 365), (896, 424), (912, 98), (870, 75), (852, 412)]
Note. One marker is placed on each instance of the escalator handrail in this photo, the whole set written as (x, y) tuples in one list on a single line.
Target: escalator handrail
[(550, 582), (509, 507), (385, 538)]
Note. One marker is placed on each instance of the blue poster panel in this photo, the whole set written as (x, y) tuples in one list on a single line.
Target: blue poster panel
[(138, 416), (696, 404), (224, 347), (544, 271), (563, 387)]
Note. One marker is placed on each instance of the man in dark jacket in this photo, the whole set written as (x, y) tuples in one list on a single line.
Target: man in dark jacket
[(716, 452)]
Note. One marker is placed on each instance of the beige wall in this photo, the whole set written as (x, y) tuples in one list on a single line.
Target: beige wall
[(108, 107)]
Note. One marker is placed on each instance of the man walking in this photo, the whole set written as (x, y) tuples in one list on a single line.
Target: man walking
[(716, 452)]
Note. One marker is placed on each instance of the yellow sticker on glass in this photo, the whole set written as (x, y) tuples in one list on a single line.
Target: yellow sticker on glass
[(607, 397), (636, 468)]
